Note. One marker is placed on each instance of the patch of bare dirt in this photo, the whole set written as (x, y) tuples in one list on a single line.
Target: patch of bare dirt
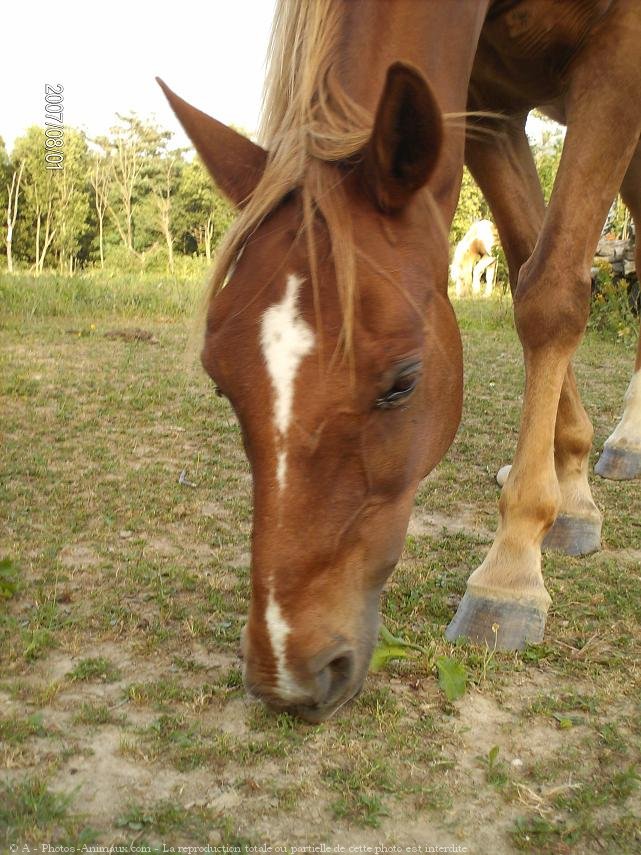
[(133, 334), (633, 555), (234, 721), (485, 724), (213, 509), (434, 523), (221, 580), (112, 782), (78, 556), (242, 560), (108, 781), (162, 546)]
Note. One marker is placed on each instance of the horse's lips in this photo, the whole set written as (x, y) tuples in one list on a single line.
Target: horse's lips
[(317, 715)]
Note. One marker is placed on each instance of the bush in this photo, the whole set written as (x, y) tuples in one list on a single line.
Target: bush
[(612, 313)]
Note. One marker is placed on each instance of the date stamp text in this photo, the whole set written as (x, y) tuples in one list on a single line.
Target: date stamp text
[(54, 126)]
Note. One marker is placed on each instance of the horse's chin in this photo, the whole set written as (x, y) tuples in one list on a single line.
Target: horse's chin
[(317, 715)]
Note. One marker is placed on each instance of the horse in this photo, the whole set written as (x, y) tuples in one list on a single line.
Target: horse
[(472, 258), (334, 339)]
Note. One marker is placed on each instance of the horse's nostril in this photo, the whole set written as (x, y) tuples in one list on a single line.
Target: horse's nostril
[(335, 677)]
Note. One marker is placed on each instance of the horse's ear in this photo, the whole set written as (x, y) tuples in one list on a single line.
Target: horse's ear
[(406, 139), (235, 163)]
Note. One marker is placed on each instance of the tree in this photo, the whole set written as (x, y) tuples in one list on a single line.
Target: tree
[(10, 179), (163, 187), (202, 213), (547, 156), (72, 207), (471, 207), (12, 212), (130, 199), (6, 172), (129, 150), (39, 193), (99, 178)]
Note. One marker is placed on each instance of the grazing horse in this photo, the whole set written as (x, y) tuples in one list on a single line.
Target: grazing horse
[(472, 258), (333, 336)]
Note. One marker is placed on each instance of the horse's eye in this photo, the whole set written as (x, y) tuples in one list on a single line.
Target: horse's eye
[(404, 384)]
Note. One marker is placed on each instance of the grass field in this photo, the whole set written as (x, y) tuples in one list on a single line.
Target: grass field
[(123, 592)]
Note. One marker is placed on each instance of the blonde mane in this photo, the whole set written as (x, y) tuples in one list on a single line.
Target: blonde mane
[(308, 121)]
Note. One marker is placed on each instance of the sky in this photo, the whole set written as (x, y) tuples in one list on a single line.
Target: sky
[(106, 55)]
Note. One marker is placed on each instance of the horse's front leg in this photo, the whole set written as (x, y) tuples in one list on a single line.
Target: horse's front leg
[(621, 458), (504, 168), (577, 528), (506, 601)]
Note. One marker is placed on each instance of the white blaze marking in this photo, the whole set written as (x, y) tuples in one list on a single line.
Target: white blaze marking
[(627, 433), (279, 629), (281, 468), (285, 340)]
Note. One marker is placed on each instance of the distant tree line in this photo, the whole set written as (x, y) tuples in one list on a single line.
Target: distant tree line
[(131, 201), (547, 155), (125, 201)]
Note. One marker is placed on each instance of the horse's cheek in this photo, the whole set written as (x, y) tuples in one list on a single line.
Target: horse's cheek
[(442, 385)]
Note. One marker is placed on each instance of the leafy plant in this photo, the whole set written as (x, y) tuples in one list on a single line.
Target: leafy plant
[(365, 809), (611, 312), (9, 579), (495, 769), (452, 675), (391, 647), (96, 668)]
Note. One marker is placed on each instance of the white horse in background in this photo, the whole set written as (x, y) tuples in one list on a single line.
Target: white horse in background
[(473, 257)]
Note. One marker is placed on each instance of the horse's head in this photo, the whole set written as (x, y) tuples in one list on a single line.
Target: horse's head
[(345, 400)]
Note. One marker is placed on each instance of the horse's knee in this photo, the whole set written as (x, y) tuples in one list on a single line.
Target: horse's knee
[(551, 305)]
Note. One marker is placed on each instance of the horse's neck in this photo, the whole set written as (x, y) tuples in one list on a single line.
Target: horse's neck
[(441, 44), (427, 34)]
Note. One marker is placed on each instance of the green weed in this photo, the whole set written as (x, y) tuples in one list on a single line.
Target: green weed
[(30, 811), (97, 668)]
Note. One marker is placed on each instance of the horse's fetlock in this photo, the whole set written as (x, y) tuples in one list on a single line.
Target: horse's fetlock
[(539, 506), (574, 444)]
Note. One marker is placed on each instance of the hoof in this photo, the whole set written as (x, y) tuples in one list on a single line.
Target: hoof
[(619, 464), (508, 624), (574, 535)]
